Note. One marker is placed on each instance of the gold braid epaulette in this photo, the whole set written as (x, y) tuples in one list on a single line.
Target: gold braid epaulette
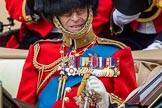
[(48, 40), (115, 99), (110, 42)]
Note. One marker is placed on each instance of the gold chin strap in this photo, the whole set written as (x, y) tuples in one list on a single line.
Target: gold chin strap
[(155, 3), (78, 34)]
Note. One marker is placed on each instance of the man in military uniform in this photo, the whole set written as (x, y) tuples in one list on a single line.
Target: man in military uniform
[(82, 70)]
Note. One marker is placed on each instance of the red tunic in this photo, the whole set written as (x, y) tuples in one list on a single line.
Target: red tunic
[(49, 52)]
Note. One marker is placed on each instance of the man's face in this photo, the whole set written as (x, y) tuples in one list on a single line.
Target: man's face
[(74, 20)]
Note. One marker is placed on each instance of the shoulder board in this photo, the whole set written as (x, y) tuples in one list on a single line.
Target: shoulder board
[(111, 42), (48, 40)]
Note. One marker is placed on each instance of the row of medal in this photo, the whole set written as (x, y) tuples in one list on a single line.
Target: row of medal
[(98, 66)]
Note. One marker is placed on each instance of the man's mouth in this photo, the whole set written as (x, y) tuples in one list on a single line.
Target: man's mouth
[(76, 27)]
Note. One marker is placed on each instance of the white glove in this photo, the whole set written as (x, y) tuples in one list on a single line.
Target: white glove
[(97, 85), (156, 45), (121, 19)]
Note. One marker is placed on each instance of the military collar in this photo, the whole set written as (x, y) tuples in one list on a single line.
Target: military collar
[(81, 42)]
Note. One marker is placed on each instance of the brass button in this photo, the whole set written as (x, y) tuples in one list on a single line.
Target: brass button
[(66, 99), (28, 18), (68, 89)]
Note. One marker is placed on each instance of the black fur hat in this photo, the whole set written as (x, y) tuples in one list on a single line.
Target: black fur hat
[(131, 7), (51, 8)]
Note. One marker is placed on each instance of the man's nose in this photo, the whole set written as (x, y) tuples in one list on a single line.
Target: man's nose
[(75, 16)]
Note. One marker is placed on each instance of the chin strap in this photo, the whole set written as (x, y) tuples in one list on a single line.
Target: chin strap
[(78, 34)]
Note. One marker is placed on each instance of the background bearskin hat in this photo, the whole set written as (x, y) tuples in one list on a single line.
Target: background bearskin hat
[(131, 7)]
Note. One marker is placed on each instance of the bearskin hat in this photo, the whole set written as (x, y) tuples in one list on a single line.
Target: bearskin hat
[(51, 8), (131, 7)]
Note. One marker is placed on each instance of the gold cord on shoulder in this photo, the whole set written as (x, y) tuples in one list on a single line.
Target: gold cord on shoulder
[(43, 66), (52, 68)]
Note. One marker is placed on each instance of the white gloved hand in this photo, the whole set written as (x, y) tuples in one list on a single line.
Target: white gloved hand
[(118, 20), (156, 45), (121, 19), (97, 85)]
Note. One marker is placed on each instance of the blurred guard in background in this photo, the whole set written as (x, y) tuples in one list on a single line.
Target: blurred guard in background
[(33, 27), (137, 23)]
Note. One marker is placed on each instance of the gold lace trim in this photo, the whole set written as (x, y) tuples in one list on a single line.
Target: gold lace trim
[(111, 42), (52, 68)]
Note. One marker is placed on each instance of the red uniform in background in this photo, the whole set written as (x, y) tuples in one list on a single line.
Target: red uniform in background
[(157, 24), (101, 21), (17, 10), (137, 23)]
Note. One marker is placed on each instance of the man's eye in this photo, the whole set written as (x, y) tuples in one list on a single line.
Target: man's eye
[(67, 14), (80, 11)]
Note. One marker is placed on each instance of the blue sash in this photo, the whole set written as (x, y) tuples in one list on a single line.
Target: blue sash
[(48, 96)]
